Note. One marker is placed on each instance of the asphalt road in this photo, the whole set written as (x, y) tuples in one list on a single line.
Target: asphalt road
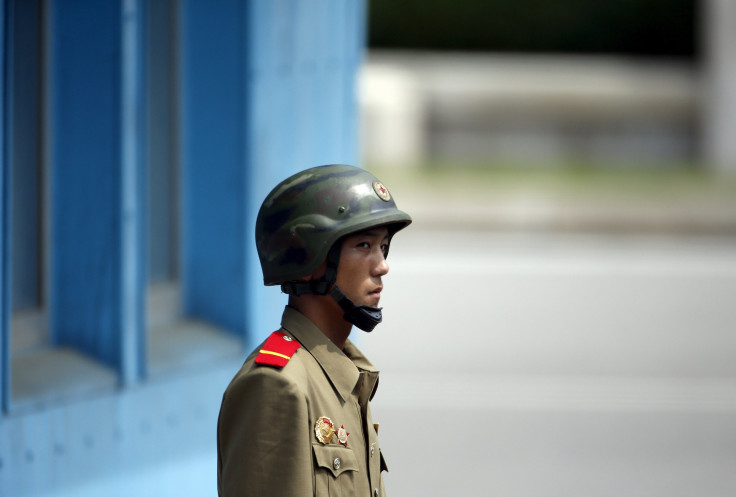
[(533, 365)]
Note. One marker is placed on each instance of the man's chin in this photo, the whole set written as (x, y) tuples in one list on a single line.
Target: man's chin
[(372, 302)]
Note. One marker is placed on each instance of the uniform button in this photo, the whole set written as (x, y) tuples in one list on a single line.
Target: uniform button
[(336, 463), (375, 492), (373, 448)]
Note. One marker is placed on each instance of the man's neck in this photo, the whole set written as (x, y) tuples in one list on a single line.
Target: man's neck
[(326, 314)]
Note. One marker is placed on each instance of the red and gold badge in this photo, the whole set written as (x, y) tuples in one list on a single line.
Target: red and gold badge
[(342, 436), (324, 429)]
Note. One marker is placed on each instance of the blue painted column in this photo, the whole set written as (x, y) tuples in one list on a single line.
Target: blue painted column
[(268, 89), (303, 64), (97, 179)]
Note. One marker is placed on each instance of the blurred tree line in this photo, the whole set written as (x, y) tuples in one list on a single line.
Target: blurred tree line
[(633, 27)]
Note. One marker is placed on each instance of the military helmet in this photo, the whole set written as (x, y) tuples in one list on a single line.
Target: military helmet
[(304, 215)]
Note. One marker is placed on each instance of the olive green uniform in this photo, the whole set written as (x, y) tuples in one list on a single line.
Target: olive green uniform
[(267, 444)]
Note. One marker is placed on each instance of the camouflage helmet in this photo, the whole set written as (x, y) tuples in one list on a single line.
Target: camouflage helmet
[(304, 215)]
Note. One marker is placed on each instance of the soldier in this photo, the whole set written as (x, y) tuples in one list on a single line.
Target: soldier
[(295, 420)]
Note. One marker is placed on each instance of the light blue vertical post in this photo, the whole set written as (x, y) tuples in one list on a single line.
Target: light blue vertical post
[(134, 137), (303, 61), (97, 284)]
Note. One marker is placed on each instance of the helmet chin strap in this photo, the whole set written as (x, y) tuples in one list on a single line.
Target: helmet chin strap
[(364, 317)]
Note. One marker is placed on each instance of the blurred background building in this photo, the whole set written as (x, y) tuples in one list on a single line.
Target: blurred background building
[(139, 138), (540, 83)]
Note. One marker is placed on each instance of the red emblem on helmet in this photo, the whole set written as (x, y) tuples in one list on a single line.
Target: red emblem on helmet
[(381, 191)]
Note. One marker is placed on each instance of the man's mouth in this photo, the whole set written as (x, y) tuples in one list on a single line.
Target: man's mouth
[(376, 292)]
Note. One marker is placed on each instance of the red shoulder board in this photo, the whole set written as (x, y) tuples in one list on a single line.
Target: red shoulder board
[(277, 350)]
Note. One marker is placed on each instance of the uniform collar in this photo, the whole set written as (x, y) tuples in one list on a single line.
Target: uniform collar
[(345, 369)]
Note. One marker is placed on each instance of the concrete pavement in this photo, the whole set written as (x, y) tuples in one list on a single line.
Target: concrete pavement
[(578, 365)]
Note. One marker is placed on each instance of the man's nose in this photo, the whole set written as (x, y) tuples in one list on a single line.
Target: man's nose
[(381, 267)]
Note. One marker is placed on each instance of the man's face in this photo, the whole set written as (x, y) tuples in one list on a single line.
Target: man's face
[(362, 264)]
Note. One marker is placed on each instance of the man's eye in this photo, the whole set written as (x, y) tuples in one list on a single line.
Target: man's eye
[(364, 245), (384, 248)]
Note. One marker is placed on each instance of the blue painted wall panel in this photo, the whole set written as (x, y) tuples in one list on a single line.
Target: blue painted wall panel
[(24, 153), (86, 176), (213, 173), (96, 184), (267, 89), (157, 441), (163, 165)]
